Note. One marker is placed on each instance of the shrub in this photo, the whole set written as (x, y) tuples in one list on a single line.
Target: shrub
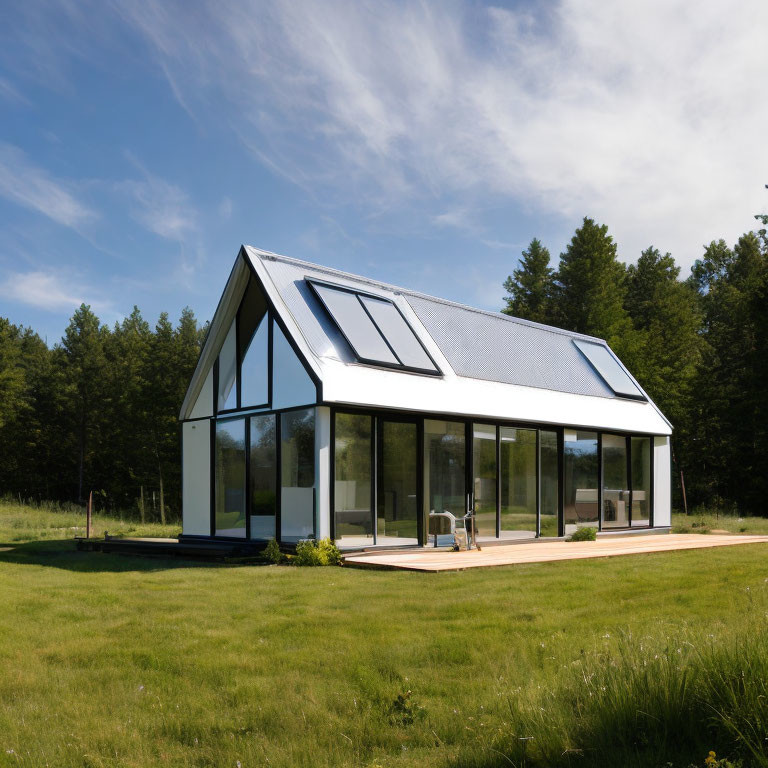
[(584, 534), (272, 553), (311, 552)]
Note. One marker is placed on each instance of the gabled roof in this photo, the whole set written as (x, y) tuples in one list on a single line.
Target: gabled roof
[(492, 365)]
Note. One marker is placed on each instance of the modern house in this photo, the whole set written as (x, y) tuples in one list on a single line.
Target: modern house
[(327, 404)]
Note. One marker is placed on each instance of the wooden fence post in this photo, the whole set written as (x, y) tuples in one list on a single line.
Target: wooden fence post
[(88, 512)]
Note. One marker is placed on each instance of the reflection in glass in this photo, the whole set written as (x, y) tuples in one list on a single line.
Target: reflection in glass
[(641, 481), (444, 468), (397, 505), (518, 482), (297, 474), (253, 336), (484, 478), (230, 478), (227, 395), (291, 384), (581, 482), (353, 476), (263, 477), (549, 483), (615, 483)]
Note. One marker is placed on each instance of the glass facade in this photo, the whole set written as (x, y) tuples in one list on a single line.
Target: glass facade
[(353, 480), (484, 478), (229, 493), (263, 466), (397, 508), (581, 482), (227, 394), (615, 482), (253, 340), (518, 483), (549, 483), (297, 474), (641, 481), (445, 467)]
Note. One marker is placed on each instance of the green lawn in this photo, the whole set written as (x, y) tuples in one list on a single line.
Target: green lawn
[(117, 661)]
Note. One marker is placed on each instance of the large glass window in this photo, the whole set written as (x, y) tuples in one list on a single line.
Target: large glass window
[(253, 336), (230, 478), (484, 478), (397, 503), (263, 476), (518, 482), (641, 481), (291, 384), (297, 474), (353, 478), (227, 395), (444, 467), (581, 480), (549, 483), (615, 482)]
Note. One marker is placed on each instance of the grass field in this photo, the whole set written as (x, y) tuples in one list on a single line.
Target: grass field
[(117, 661)]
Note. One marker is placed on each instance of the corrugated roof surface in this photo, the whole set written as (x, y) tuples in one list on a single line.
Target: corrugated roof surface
[(477, 344)]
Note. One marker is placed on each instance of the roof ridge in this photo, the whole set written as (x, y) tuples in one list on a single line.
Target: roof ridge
[(418, 294)]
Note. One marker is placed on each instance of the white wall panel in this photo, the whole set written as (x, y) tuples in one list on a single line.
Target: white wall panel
[(323, 470), (662, 482), (196, 477), (204, 404)]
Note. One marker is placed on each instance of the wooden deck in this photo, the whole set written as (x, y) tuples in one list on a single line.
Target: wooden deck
[(542, 552)]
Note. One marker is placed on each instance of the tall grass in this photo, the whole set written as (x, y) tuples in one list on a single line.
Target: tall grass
[(652, 701), (49, 520)]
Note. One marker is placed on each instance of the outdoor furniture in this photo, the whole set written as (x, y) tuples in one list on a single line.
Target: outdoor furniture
[(444, 524)]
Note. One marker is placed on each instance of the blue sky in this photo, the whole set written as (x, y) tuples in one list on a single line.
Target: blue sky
[(420, 143)]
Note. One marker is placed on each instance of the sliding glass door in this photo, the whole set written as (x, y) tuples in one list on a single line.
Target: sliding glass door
[(616, 493), (484, 478), (397, 506), (518, 480)]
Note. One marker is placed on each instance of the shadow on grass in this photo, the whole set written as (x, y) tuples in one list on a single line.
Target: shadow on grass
[(63, 553)]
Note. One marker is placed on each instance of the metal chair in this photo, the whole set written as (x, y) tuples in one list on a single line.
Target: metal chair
[(444, 524)]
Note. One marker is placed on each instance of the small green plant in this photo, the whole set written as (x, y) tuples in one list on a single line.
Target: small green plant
[(404, 710), (312, 553), (711, 761), (584, 534), (272, 553)]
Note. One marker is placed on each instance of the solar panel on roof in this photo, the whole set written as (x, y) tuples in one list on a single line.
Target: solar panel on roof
[(375, 329), (398, 333), (357, 327), (610, 370)]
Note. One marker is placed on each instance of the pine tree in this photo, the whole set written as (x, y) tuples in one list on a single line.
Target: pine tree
[(529, 287), (588, 293)]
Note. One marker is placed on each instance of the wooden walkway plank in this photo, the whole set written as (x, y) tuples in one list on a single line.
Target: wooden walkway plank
[(540, 552)]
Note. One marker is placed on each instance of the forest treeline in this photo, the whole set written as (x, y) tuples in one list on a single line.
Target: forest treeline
[(698, 346), (97, 412)]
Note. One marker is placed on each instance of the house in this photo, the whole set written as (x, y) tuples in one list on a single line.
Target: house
[(327, 404)]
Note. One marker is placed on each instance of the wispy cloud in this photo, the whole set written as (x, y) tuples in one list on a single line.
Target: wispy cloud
[(161, 207), (49, 291), (26, 184), (10, 93), (641, 113)]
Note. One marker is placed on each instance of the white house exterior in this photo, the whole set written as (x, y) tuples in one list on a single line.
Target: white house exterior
[(327, 404)]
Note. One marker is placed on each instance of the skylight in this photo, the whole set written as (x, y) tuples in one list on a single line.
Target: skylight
[(609, 369), (375, 329)]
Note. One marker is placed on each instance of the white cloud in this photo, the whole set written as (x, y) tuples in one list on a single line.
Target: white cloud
[(48, 291), (32, 187), (646, 115), (161, 207)]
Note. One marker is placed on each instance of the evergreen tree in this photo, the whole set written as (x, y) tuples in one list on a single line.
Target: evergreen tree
[(588, 293), (529, 288)]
